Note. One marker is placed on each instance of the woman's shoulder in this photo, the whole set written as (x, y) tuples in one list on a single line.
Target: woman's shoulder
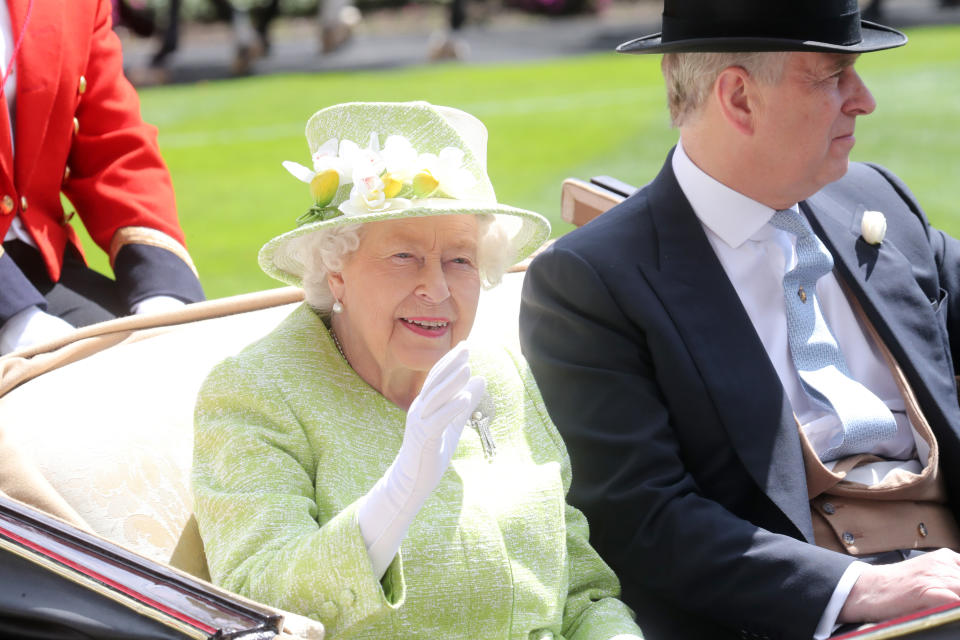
[(299, 336)]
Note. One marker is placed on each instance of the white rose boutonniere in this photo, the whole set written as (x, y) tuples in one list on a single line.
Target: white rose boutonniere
[(873, 227)]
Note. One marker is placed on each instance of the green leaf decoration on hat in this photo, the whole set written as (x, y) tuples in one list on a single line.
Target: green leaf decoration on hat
[(318, 214)]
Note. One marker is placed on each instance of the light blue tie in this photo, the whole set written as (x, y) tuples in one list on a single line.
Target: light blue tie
[(823, 371)]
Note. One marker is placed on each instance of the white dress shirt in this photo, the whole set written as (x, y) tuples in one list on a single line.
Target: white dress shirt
[(755, 255)]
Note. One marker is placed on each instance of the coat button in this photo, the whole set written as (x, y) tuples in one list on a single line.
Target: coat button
[(347, 598), (829, 509), (328, 611), (66, 173), (82, 86), (23, 203), (76, 126), (848, 538), (7, 204), (922, 530)]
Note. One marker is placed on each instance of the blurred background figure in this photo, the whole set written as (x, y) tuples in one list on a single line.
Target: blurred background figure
[(450, 45), (250, 41), (874, 9), (136, 16), (249, 20), (337, 20), (250, 25)]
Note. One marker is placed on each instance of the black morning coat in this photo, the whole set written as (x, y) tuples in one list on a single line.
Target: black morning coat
[(685, 451)]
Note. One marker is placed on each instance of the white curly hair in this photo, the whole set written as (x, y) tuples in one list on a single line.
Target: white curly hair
[(327, 249)]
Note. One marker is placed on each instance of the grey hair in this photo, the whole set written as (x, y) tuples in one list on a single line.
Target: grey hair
[(327, 250), (690, 76)]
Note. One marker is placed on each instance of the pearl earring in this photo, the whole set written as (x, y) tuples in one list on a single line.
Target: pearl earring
[(337, 307)]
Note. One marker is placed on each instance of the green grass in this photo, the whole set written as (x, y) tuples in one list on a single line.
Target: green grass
[(584, 116)]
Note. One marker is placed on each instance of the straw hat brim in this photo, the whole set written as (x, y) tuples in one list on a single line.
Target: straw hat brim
[(526, 231)]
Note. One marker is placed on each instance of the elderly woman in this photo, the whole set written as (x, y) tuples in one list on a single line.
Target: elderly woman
[(358, 465)]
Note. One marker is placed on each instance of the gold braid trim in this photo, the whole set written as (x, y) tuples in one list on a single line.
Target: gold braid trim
[(151, 237)]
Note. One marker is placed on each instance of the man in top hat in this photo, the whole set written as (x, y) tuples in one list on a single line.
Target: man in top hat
[(752, 359), (70, 123)]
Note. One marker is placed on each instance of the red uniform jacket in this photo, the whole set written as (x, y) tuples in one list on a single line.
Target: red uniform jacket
[(78, 130)]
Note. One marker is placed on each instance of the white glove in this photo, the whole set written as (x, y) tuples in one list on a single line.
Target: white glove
[(29, 327), (434, 423), (156, 304)]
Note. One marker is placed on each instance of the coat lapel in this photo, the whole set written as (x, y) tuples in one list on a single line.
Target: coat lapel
[(742, 382), (881, 278), (38, 71)]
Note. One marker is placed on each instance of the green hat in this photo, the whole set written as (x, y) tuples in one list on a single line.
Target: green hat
[(389, 160)]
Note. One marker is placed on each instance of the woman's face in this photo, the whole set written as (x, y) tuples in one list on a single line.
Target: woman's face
[(409, 293)]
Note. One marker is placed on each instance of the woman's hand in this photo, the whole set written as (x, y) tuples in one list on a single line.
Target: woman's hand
[(434, 424)]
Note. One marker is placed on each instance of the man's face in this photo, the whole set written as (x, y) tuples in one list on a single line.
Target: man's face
[(805, 122)]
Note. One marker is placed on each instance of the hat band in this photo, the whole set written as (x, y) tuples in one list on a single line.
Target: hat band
[(838, 29)]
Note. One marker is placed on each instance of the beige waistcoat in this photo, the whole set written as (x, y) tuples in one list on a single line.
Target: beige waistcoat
[(905, 511)]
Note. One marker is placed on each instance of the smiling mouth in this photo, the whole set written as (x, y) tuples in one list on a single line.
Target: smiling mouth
[(430, 325)]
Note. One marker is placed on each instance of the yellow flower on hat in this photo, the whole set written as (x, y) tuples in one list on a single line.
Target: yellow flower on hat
[(329, 172), (424, 184), (391, 185), (323, 187), (447, 169)]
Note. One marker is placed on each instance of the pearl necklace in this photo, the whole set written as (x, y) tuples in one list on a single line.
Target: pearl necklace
[(336, 341)]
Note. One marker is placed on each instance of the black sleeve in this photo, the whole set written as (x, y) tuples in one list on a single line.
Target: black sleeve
[(143, 271)]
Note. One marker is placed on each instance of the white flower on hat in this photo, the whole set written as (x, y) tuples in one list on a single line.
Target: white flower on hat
[(873, 226), (452, 178), (382, 179), (362, 162), (399, 158), (327, 157), (369, 196)]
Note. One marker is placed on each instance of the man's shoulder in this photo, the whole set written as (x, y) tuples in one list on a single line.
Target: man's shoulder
[(871, 186), (626, 224)]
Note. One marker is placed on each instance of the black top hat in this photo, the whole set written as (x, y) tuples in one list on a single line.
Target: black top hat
[(765, 25)]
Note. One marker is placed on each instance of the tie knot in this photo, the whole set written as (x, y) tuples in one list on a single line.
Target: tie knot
[(793, 222)]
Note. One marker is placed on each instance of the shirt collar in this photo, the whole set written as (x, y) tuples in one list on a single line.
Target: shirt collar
[(732, 216)]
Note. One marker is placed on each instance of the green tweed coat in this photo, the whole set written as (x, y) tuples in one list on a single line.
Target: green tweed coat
[(288, 438)]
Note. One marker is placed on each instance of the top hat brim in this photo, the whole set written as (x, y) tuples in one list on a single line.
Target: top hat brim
[(876, 37)]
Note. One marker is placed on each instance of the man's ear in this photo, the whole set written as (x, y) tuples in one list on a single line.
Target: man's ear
[(735, 93)]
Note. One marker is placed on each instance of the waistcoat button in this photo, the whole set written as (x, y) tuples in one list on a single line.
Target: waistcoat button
[(848, 538), (829, 509), (922, 529), (7, 205)]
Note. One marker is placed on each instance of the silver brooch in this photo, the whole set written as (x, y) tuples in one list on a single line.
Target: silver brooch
[(480, 421)]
